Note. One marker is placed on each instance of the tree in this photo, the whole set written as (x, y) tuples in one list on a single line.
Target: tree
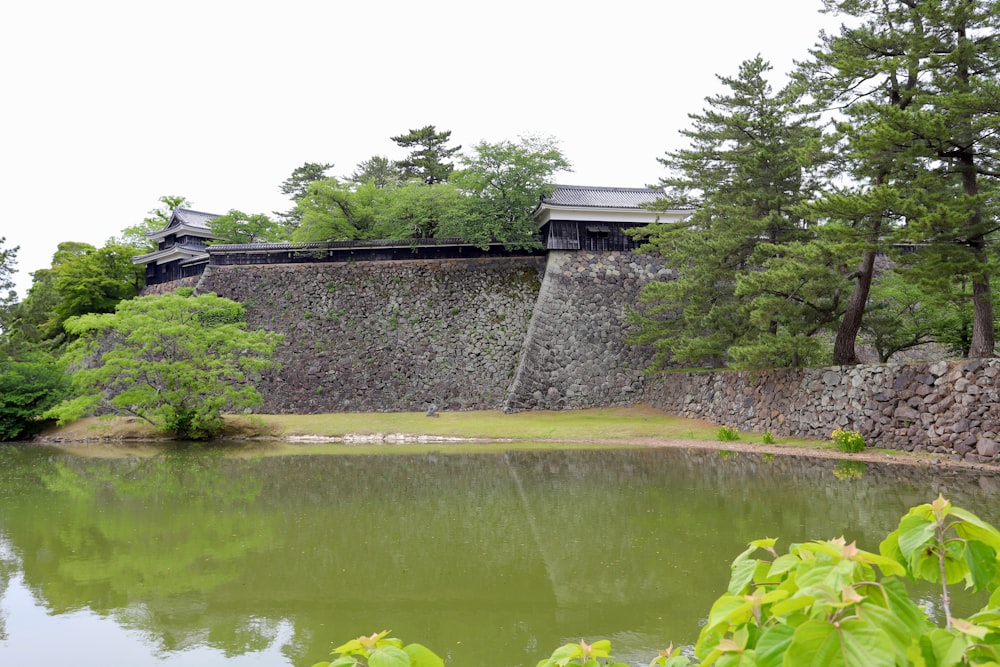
[(414, 211), (239, 227), (95, 280), (918, 83), (901, 315), (28, 388), (8, 262), (428, 159), (506, 181), (379, 170), (956, 122), (296, 187), (31, 324), (750, 165), (334, 211), (176, 361), (157, 219)]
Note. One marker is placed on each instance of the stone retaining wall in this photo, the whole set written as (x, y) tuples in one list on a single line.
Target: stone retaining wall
[(170, 286), (575, 355), (948, 408), (387, 336)]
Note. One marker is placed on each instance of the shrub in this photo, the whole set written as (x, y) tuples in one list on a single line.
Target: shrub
[(768, 438), (851, 442), (27, 390), (727, 434)]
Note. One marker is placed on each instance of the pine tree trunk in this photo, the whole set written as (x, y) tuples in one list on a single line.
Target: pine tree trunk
[(844, 352), (983, 337)]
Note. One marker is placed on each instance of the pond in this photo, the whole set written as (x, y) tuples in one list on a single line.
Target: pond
[(490, 556)]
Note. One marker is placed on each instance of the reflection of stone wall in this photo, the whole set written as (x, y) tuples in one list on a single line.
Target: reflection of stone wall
[(575, 355), (377, 336), (942, 407)]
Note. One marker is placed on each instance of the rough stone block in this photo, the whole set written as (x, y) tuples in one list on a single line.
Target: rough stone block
[(987, 447)]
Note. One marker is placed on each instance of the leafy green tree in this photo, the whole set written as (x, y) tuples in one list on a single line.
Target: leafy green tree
[(335, 211), (415, 210), (239, 227), (749, 166), (900, 316), (34, 323), (296, 187), (157, 219), (428, 161), (96, 280), (27, 389), (176, 360), (506, 180)]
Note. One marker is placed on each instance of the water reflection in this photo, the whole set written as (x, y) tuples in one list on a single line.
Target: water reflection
[(491, 558)]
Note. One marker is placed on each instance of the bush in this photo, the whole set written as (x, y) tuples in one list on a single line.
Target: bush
[(27, 390), (727, 434), (851, 442)]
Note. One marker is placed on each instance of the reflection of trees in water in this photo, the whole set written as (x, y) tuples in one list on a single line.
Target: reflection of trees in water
[(141, 540), (8, 567), (533, 545)]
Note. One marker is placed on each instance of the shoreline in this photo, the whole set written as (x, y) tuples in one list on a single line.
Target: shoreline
[(638, 425), (872, 455)]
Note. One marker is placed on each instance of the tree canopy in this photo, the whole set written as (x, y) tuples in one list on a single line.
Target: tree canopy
[(490, 199), (295, 187), (176, 361), (8, 262), (429, 159), (506, 180), (748, 168), (158, 218), (239, 227), (907, 95)]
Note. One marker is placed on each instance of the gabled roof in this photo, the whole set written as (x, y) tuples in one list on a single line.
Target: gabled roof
[(585, 203), (195, 223), (190, 218), (601, 197)]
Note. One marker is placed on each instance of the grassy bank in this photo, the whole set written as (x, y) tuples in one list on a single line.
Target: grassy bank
[(305, 434), (631, 424)]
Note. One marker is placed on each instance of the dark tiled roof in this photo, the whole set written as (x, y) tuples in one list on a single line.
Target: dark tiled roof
[(223, 248), (193, 248), (601, 197), (192, 218)]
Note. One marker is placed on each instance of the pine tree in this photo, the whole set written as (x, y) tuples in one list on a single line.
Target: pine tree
[(428, 161), (916, 81), (748, 167)]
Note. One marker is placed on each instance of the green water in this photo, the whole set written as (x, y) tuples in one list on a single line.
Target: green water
[(491, 558)]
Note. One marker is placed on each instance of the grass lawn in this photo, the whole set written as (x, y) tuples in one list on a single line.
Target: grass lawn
[(638, 425), (629, 424)]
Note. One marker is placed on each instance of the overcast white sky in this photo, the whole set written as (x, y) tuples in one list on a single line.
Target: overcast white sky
[(107, 105)]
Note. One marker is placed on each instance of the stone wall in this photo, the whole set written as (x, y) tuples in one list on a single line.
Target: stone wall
[(169, 286), (948, 408), (575, 355), (387, 336)]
